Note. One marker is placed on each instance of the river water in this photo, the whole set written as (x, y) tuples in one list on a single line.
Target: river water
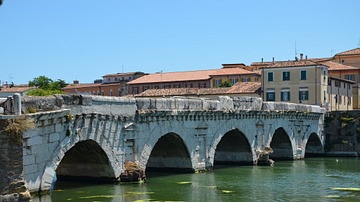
[(313, 179)]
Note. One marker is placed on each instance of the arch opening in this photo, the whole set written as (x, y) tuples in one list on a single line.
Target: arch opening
[(314, 147), (281, 146), (233, 149), (169, 155), (86, 161)]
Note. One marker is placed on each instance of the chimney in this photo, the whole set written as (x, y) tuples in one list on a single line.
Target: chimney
[(262, 60), (76, 82), (301, 56), (273, 60), (305, 57)]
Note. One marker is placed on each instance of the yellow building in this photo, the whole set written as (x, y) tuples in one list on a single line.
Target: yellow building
[(296, 81)]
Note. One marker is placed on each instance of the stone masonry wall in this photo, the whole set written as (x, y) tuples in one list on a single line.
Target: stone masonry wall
[(11, 166), (342, 129)]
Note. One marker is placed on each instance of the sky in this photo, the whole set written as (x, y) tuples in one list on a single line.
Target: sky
[(85, 40)]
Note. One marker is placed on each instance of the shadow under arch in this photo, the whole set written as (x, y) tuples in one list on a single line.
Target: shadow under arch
[(314, 147), (233, 149), (85, 161), (169, 155), (281, 146)]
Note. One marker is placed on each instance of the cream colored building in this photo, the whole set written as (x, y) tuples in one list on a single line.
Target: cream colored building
[(340, 94), (296, 81)]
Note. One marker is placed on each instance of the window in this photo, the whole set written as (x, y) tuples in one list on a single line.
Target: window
[(349, 77), (233, 81), (115, 79), (246, 79), (270, 95), (157, 87), (189, 85), (129, 77), (349, 100), (167, 86), (145, 88), (286, 76), (217, 82), (136, 90), (329, 82), (324, 95), (303, 94), (340, 99), (177, 86), (303, 75), (270, 76), (285, 94), (203, 85), (337, 83), (111, 92)]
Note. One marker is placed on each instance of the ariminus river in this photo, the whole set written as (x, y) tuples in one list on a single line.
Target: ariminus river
[(313, 179)]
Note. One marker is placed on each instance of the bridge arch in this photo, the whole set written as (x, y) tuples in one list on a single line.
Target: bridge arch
[(233, 148), (313, 146), (281, 145), (71, 146), (170, 154)]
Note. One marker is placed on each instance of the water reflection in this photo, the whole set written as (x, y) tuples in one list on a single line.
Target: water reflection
[(318, 179)]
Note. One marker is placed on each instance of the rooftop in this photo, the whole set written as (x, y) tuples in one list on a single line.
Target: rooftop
[(174, 77), (333, 66), (355, 51), (238, 88)]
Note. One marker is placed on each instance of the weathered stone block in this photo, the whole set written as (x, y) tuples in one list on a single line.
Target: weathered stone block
[(28, 160), (32, 168), (36, 140), (54, 137)]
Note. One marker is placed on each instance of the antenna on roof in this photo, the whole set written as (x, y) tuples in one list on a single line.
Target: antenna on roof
[(296, 51)]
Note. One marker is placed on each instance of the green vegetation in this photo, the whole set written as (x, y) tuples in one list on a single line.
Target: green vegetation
[(16, 127), (226, 83), (46, 86)]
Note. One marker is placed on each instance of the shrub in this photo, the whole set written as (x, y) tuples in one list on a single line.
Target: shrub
[(16, 127)]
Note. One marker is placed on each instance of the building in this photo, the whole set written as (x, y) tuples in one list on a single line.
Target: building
[(349, 73), (340, 95), (188, 79), (194, 79), (10, 89), (251, 89), (349, 57), (234, 74), (110, 85), (300, 81)]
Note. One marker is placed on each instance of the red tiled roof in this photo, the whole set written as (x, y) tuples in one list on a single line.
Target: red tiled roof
[(15, 89), (338, 66), (355, 51), (245, 87), (231, 71), (174, 77), (78, 86), (238, 88), (292, 63)]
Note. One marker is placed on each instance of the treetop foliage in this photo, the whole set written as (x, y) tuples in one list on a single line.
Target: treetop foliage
[(46, 86)]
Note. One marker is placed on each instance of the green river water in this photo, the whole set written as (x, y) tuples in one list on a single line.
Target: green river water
[(313, 179)]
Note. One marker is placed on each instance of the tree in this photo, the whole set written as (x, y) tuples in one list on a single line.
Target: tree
[(46, 86), (42, 82), (226, 83), (1, 1)]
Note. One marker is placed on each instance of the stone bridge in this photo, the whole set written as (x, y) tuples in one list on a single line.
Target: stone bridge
[(93, 136)]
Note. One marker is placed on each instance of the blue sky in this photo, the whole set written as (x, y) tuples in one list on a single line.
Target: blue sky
[(85, 40)]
